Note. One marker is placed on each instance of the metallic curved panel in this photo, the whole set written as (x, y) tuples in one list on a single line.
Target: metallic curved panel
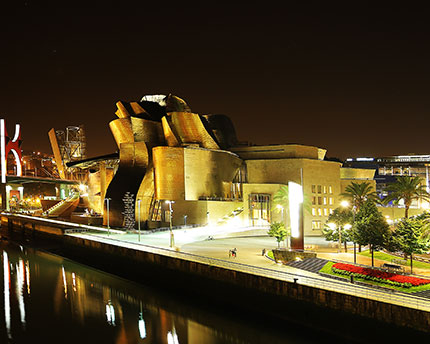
[(147, 131), (121, 111), (190, 130), (176, 104), (145, 194), (171, 139), (209, 173), (134, 159), (121, 131), (169, 173), (222, 128), (183, 173), (137, 109)]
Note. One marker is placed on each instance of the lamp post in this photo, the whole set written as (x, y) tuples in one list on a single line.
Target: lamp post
[(138, 219), (344, 204), (107, 206), (172, 239), (281, 208)]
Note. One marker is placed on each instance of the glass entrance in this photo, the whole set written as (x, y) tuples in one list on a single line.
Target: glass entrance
[(259, 210)]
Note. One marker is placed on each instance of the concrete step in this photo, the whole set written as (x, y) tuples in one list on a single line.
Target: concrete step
[(309, 264)]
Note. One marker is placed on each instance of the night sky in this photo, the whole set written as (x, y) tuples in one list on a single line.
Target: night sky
[(353, 78)]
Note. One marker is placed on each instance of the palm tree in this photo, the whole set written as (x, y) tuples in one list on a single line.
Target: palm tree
[(359, 193), (408, 189)]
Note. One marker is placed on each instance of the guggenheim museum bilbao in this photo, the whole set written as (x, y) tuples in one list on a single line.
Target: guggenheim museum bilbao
[(188, 168)]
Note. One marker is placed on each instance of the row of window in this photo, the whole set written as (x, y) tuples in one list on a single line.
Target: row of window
[(322, 189), (322, 200), (321, 211), (317, 224)]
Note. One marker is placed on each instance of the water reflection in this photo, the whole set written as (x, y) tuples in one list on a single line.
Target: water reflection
[(70, 302)]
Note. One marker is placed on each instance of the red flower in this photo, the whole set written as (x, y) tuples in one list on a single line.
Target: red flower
[(414, 281)]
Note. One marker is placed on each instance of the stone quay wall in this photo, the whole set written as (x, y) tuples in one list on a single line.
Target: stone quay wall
[(285, 300)]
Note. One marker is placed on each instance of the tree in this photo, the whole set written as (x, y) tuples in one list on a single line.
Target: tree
[(371, 228), (340, 217), (408, 237), (359, 193), (278, 231), (408, 189)]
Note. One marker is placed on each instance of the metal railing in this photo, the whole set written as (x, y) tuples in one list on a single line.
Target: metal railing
[(392, 297)]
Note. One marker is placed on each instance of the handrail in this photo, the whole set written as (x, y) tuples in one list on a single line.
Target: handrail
[(393, 297)]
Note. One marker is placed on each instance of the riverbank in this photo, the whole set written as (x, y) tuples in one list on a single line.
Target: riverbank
[(231, 285)]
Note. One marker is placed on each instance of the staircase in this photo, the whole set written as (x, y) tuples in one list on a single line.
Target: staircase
[(424, 293), (63, 205), (310, 264)]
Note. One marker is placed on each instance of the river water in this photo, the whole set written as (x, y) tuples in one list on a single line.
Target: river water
[(50, 299)]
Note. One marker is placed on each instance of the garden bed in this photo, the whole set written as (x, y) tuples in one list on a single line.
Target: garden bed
[(377, 277)]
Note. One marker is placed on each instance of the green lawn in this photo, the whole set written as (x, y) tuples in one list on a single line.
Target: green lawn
[(327, 270), (389, 258)]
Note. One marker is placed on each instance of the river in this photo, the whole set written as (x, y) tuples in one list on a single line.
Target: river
[(50, 299)]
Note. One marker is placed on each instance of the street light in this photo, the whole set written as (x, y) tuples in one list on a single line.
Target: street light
[(107, 206), (344, 204), (172, 239), (281, 208), (138, 219)]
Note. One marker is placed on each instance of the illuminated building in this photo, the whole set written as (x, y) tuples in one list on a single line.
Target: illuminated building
[(168, 153)]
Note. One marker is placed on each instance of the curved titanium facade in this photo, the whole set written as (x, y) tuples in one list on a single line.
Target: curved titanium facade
[(168, 153)]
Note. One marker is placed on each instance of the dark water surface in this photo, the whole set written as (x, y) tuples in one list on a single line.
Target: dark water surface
[(49, 299)]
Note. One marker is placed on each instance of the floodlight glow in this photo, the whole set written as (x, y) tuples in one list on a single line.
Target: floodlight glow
[(295, 194), (142, 328), (344, 204), (347, 226), (331, 225)]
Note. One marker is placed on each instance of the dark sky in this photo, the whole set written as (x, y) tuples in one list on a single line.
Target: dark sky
[(353, 78)]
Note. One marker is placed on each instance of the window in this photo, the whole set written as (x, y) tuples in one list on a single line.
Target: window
[(325, 200), (316, 225), (325, 212), (259, 209), (330, 200), (314, 200), (330, 190), (331, 211), (319, 188), (314, 189), (319, 212), (314, 212), (324, 189), (319, 201)]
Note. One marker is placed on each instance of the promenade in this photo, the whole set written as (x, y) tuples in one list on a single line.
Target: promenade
[(212, 247)]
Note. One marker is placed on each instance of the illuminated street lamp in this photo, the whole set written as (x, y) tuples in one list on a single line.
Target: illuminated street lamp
[(281, 208), (107, 206), (172, 239), (344, 204)]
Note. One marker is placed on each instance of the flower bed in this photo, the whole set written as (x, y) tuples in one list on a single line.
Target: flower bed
[(378, 276)]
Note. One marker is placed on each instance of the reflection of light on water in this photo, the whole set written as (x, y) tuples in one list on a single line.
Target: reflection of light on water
[(172, 337), (64, 282), (110, 313), (142, 328), (74, 281), (6, 279), (20, 277), (27, 273)]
